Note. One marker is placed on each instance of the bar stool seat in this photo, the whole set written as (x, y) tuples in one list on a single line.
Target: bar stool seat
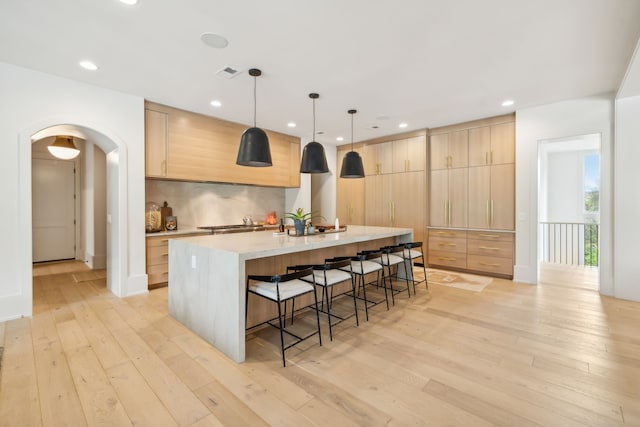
[(280, 288), (362, 264), (393, 256), (328, 275)]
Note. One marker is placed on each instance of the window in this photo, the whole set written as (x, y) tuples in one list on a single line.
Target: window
[(591, 185)]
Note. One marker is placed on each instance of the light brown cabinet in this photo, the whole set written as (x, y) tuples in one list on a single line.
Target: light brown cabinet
[(377, 158), (449, 150), (155, 126), (349, 194), (396, 200), (203, 148), (448, 202), (157, 260), (473, 190), (491, 197), (409, 155), (492, 145)]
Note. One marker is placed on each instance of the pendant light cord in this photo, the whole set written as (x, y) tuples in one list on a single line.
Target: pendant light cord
[(314, 120), (352, 132), (255, 101)]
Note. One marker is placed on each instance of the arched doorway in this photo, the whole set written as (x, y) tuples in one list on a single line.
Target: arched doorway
[(116, 186)]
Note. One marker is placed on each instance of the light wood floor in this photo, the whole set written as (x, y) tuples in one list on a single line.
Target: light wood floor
[(513, 354)]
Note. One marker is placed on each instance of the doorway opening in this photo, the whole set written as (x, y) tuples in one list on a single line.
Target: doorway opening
[(569, 211)]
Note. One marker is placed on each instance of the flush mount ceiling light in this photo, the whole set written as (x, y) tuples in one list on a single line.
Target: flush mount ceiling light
[(214, 40), (129, 2), (216, 103), (63, 148), (313, 158), (507, 103), (352, 163), (403, 125), (254, 144)]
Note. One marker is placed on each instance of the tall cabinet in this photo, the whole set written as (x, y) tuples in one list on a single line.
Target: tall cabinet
[(394, 188), (472, 196)]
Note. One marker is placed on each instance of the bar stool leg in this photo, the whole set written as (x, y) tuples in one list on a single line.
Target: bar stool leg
[(284, 363)]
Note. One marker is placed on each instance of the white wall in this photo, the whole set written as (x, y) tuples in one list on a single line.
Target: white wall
[(560, 120), (627, 201), (33, 101)]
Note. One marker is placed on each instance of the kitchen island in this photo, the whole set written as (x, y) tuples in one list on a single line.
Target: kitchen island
[(207, 275)]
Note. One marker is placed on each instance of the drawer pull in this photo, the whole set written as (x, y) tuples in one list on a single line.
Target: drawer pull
[(489, 264), (442, 258), (447, 244), (492, 236), (488, 248), (165, 254)]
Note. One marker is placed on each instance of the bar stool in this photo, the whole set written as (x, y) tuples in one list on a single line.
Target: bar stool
[(410, 255), (327, 276), (361, 266), (389, 258), (280, 289)]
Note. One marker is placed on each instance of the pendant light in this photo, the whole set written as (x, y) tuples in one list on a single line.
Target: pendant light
[(254, 143), (63, 148), (352, 163), (313, 158)]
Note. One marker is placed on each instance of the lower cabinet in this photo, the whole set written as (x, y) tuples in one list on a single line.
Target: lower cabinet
[(158, 259), (487, 252)]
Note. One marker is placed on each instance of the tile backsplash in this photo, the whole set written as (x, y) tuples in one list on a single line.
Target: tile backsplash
[(196, 203)]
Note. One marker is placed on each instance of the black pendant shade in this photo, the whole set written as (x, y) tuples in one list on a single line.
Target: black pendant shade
[(314, 159), (254, 144), (352, 163), (254, 149)]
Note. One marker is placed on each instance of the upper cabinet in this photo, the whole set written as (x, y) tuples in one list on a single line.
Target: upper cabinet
[(203, 148), (450, 150), (155, 126), (409, 155), (492, 145), (377, 158)]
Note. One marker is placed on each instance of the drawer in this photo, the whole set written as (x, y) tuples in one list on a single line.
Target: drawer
[(448, 259), (490, 264), (452, 244), (495, 248), (433, 233), (155, 278), (491, 236), (157, 255), (153, 242)]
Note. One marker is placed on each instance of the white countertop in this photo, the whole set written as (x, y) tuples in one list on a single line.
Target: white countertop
[(261, 244), (179, 232)]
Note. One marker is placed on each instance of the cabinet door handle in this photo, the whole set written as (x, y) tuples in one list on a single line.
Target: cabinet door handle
[(486, 217), (163, 168), (492, 214), (449, 211), (491, 157), (486, 157)]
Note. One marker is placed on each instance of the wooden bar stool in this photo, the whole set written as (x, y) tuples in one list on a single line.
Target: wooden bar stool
[(281, 288)]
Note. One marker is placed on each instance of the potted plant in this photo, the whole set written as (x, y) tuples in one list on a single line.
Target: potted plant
[(299, 218)]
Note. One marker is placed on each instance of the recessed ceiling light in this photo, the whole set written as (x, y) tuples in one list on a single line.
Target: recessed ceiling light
[(88, 65), (216, 103), (214, 40), (340, 138), (291, 124), (507, 103), (402, 125), (129, 2)]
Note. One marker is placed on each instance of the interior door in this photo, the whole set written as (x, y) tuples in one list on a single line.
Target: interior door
[(53, 198)]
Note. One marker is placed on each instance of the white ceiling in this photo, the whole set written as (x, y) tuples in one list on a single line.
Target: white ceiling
[(425, 62)]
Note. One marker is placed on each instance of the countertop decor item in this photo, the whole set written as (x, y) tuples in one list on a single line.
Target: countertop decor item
[(152, 219), (352, 166), (254, 144), (314, 159)]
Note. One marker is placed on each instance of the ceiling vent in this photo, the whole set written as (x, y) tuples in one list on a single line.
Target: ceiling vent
[(228, 72)]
